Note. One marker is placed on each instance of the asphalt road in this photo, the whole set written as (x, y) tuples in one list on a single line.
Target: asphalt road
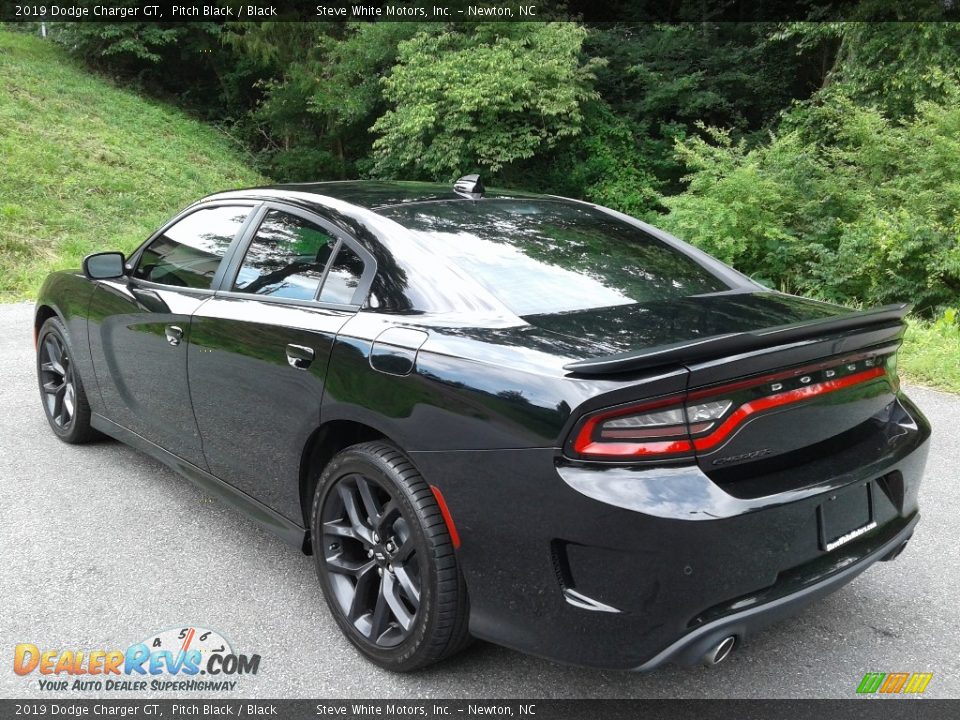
[(102, 546)]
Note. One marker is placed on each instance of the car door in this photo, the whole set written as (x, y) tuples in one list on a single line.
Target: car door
[(259, 349), (139, 326)]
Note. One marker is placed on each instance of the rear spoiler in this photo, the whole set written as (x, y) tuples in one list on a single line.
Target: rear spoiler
[(735, 343)]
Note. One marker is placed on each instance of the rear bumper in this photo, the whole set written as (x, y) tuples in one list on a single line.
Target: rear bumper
[(691, 648), (661, 561)]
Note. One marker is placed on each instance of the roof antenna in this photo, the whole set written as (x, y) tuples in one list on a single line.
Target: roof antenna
[(469, 186)]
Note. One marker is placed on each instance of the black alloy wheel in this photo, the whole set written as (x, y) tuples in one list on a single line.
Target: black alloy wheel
[(56, 381), (372, 560), (386, 561), (61, 391)]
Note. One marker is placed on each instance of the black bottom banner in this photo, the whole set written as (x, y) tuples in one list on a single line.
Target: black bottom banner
[(901, 709)]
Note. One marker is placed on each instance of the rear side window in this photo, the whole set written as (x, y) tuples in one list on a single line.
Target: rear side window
[(189, 252), (343, 279), (286, 258)]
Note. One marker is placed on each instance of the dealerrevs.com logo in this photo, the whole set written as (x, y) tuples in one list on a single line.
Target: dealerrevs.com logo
[(178, 659)]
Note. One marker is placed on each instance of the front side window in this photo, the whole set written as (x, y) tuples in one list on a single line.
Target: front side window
[(286, 258), (189, 252)]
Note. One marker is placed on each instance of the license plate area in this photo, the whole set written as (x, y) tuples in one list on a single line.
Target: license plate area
[(846, 515)]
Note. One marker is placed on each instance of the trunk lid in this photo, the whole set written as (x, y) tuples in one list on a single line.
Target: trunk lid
[(794, 374)]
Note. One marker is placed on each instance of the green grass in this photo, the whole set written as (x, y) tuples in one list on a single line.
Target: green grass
[(931, 354), (86, 166)]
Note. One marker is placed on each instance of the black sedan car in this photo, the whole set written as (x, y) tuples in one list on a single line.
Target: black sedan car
[(500, 415)]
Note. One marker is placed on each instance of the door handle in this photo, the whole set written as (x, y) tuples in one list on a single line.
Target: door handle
[(299, 356), (174, 334)]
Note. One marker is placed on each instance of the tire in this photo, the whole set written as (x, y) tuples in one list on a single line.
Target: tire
[(61, 390), (398, 594)]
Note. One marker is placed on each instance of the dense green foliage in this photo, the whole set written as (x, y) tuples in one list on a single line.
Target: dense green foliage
[(855, 197), (87, 166), (453, 106), (874, 215), (822, 158)]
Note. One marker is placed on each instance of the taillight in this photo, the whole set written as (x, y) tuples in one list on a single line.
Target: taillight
[(674, 428), (634, 432)]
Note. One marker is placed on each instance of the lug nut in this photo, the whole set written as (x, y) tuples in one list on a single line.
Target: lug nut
[(370, 553), (380, 572), (376, 538)]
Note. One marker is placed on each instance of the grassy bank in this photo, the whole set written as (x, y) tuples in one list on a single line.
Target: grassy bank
[(931, 354), (87, 166)]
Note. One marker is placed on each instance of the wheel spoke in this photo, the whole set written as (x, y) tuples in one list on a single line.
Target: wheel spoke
[(406, 583), (52, 387), (387, 517), (370, 505), (361, 592), (397, 609), (54, 354), (353, 513), (56, 368), (338, 529), (58, 403), (341, 566), (381, 615), (404, 552), (68, 403)]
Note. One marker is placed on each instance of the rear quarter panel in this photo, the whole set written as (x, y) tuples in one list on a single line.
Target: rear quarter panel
[(470, 389)]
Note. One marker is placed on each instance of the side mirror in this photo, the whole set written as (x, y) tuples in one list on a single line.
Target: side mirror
[(104, 266)]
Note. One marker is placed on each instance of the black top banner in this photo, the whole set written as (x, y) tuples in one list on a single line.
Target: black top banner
[(589, 11)]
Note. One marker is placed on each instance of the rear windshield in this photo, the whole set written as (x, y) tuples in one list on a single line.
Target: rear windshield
[(540, 257)]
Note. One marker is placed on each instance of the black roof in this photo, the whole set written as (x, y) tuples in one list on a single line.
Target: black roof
[(375, 194)]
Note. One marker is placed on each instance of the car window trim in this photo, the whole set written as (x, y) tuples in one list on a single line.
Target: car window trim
[(239, 251), (134, 260)]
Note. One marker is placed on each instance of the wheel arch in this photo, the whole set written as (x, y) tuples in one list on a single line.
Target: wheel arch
[(325, 442), (43, 313)]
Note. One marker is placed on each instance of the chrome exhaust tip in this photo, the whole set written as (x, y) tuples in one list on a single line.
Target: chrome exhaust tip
[(720, 652)]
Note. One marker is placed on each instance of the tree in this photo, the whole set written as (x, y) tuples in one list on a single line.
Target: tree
[(322, 95), (893, 65), (481, 97), (662, 79), (869, 212)]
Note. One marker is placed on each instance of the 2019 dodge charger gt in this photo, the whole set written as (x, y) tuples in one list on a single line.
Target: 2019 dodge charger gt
[(516, 417)]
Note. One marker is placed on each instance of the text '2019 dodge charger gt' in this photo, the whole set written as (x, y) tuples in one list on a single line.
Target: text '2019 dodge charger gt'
[(522, 418)]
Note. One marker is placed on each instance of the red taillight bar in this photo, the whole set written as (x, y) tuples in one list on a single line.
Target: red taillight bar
[(785, 398), (587, 446)]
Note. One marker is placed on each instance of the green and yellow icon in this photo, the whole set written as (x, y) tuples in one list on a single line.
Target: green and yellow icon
[(894, 683)]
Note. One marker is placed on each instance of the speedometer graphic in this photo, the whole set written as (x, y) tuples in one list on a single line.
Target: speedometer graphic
[(186, 638)]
